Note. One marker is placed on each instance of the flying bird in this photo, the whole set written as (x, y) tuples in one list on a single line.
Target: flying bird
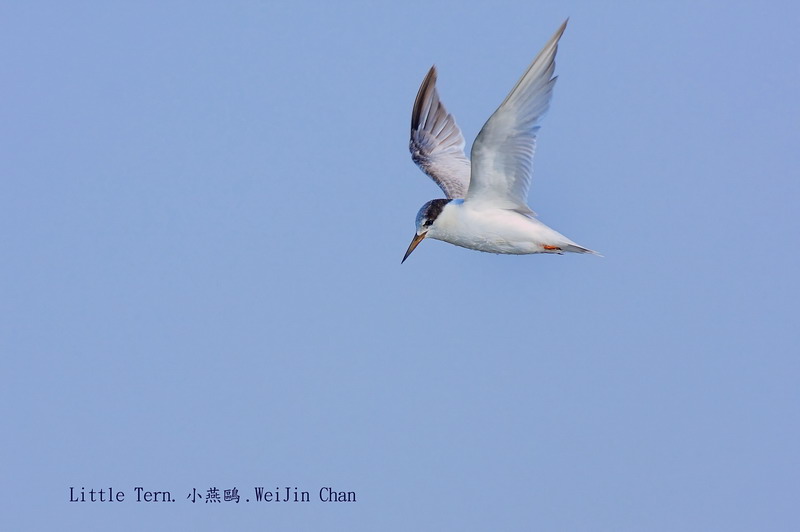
[(485, 207)]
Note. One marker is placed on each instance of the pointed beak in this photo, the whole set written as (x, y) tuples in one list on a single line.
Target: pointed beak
[(414, 243)]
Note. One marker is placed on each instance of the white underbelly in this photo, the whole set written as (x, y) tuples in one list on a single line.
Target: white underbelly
[(495, 231), (493, 243)]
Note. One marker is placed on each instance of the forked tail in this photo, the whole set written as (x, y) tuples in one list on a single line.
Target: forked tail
[(575, 248)]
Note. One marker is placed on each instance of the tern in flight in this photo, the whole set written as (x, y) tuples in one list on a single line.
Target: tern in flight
[(486, 205)]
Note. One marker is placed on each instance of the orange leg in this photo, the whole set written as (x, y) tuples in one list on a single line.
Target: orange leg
[(552, 248)]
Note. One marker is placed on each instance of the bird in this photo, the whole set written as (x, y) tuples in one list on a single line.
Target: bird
[(485, 206)]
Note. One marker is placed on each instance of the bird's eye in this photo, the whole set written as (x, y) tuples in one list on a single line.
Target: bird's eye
[(428, 223)]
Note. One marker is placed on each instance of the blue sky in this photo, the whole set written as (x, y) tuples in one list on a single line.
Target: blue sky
[(204, 212)]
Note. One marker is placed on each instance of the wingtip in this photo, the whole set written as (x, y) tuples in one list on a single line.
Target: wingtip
[(561, 28), (427, 86), (430, 77)]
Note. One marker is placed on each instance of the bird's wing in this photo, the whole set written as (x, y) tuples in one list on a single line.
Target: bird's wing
[(437, 145), (502, 154)]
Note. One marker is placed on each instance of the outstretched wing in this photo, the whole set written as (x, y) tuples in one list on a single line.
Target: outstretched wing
[(502, 154), (437, 145)]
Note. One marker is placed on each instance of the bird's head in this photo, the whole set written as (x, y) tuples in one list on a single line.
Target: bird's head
[(426, 217)]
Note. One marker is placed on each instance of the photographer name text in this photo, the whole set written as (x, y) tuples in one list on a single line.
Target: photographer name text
[(212, 495)]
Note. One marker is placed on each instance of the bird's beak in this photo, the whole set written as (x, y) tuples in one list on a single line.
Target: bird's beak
[(414, 243)]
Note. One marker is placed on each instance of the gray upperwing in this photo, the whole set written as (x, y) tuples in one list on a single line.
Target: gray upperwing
[(437, 145)]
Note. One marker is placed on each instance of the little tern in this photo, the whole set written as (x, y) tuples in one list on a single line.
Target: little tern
[(486, 207)]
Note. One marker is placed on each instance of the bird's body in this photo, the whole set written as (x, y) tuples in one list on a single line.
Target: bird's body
[(486, 209), (497, 231)]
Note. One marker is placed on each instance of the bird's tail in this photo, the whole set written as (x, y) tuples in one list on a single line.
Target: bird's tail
[(575, 248)]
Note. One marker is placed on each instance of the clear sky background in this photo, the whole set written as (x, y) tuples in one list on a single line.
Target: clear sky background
[(204, 208)]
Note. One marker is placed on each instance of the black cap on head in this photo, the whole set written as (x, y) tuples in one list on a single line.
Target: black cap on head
[(431, 210)]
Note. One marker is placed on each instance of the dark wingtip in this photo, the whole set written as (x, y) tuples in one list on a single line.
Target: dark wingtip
[(427, 85)]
